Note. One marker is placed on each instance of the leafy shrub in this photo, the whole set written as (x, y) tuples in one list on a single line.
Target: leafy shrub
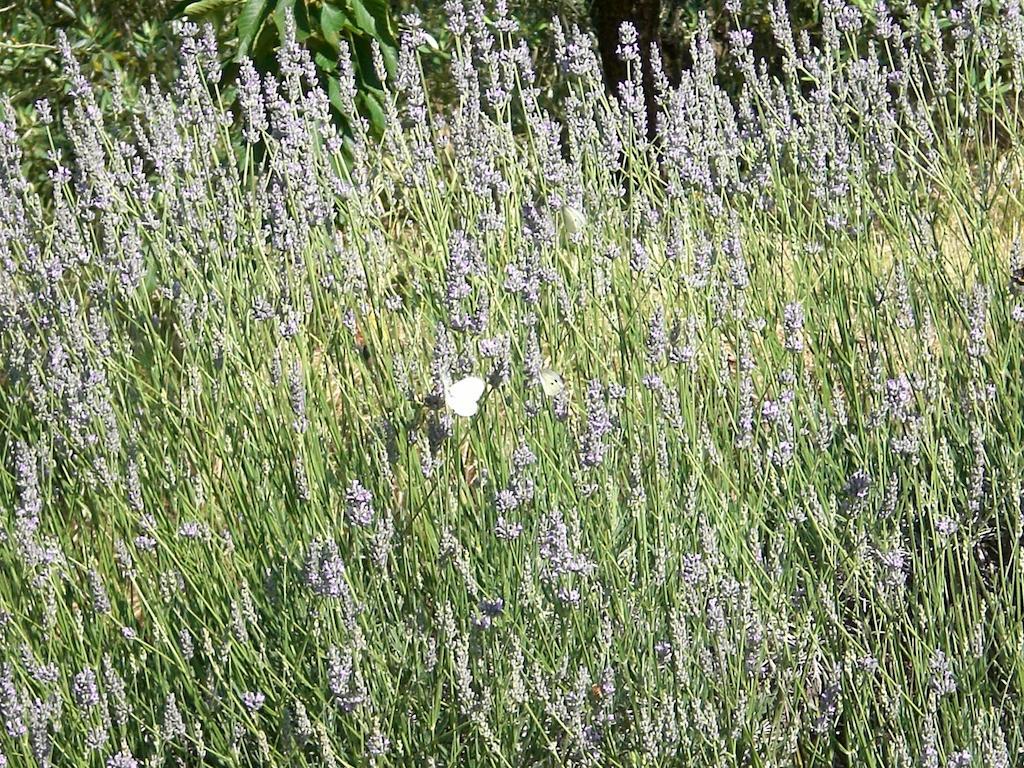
[(501, 446), (321, 26), (118, 41)]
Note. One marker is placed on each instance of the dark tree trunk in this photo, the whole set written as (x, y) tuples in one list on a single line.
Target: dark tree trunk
[(607, 16)]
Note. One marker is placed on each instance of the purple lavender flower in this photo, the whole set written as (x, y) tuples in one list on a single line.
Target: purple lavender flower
[(639, 258), (523, 457), (85, 690), (629, 44), (123, 759), (377, 744), (488, 611), (253, 700), (44, 111), (30, 504), (250, 99), (899, 396), (498, 349), (794, 326), (116, 689), (342, 680), (359, 509), (325, 571), (599, 426), (657, 337), (48, 674), (506, 530), (97, 738), (943, 681), (893, 564), (694, 570), (465, 260), (174, 724), (492, 608), (383, 540), (555, 549), (570, 596), (977, 345), (506, 500), (43, 714), (858, 485), (946, 527), (301, 476), (100, 599), (663, 650), (185, 644), (297, 394), (134, 486), (193, 529), (10, 704)]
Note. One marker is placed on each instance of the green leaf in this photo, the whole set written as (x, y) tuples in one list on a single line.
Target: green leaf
[(334, 93), (390, 54), (251, 19), (362, 59), (175, 11), (204, 7), (301, 15), (364, 18), (325, 63), (332, 21), (374, 109), (372, 17)]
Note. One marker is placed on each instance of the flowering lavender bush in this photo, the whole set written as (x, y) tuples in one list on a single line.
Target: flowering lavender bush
[(743, 486)]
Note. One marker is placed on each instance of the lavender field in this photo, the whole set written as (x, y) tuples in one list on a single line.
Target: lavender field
[(522, 436)]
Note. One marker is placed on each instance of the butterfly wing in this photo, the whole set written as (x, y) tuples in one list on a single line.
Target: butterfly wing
[(551, 382), (575, 220), (463, 397)]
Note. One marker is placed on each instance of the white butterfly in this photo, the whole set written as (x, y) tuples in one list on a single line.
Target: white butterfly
[(573, 220), (429, 40), (551, 382), (463, 397)]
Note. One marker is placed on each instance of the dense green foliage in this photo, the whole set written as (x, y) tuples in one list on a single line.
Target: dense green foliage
[(118, 41), (321, 26)]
